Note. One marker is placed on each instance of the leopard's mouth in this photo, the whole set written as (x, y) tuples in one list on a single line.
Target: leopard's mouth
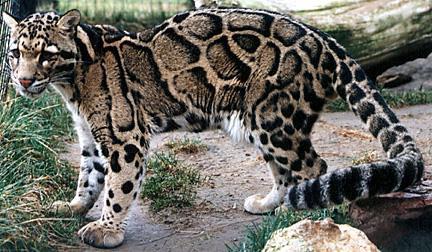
[(34, 91)]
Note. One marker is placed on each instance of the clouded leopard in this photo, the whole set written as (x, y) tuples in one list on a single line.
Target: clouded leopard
[(262, 76)]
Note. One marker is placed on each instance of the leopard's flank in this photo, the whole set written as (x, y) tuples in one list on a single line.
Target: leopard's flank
[(262, 76)]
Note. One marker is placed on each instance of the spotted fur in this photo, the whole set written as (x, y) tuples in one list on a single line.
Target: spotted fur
[(263, 77)]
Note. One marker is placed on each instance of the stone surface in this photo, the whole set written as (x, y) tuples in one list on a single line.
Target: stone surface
[(388, 217), (325, 235), (393, 80), (419, 70)]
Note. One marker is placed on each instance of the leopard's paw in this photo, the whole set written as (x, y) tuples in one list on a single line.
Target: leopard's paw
[(96, 235), (258, 204)]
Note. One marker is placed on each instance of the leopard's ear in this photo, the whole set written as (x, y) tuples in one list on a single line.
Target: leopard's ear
[(70, 20), (10, 20)]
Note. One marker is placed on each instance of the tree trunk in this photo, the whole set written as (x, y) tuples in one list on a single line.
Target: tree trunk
[(378, 33)]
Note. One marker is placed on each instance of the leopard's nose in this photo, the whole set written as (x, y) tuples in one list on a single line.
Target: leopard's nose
[(26, 83)]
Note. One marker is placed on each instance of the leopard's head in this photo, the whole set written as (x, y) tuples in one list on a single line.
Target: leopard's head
[(42, 50)]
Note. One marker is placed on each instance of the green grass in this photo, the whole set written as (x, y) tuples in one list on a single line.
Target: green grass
[(395, 100), (32, 176), (186, 145), (169, 182), (256, 236)]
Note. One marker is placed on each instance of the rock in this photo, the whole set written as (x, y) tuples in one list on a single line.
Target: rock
[(325, 235), (392, 81), (387, 218), (419, 70)]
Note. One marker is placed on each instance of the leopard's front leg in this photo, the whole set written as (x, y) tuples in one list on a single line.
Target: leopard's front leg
[(91, 177), (122, 183)]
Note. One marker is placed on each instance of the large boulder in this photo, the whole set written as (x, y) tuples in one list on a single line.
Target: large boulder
[(397, 218), (413, 75), (325, 235)]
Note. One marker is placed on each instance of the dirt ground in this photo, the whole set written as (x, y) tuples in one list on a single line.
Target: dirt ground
[(235, 171)]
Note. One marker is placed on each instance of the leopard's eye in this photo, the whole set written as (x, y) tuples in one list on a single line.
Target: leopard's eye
[(15, 53), (47, 56)]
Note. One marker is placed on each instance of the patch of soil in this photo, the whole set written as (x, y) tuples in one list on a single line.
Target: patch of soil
[(235, 171)]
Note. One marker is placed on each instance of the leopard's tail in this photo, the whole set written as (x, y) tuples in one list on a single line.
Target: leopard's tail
[(403, 168)]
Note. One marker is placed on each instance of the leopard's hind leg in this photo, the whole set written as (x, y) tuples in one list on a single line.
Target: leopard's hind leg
[(293, 165), (259, 203)]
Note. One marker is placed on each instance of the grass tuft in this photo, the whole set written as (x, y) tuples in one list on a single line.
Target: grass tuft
[(186, 145), (257, 235), (366, 157), (170, 183), (32, 176)]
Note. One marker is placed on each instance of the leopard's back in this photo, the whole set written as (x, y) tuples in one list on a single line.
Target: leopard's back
[(217, 62)]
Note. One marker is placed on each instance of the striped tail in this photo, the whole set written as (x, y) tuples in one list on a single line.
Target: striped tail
[(403, 168)]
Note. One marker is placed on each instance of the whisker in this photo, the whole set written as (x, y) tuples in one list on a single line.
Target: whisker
[(63, 81), (59, 81), (63, 74), (78, 61), (65, 77)]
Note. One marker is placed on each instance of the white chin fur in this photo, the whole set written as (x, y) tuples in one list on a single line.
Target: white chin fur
[(31, 93)]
